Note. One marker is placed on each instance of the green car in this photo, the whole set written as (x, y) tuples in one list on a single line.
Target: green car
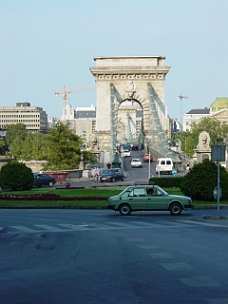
[(148, 198)]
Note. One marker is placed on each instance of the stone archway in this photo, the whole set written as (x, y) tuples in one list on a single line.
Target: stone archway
[(134, 78)]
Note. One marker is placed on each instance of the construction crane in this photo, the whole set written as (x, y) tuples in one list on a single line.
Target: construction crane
[(181, 97), (65, 92)]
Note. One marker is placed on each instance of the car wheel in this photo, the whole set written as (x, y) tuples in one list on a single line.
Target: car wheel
[(113, 179), (101, 180), (125, 209), (175, 209), (50, 184), (122, 178)]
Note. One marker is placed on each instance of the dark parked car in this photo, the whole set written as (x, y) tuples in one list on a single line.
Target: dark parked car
[(41, 179), (111, 175)]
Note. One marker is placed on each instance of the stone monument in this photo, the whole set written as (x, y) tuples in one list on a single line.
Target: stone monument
[(203, 149)]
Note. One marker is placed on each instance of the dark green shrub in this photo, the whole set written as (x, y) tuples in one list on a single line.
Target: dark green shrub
[(200, 182), (16, 176), (167, 182)]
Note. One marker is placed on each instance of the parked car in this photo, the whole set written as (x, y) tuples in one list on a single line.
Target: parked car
[(136, 163), (127, 153), (41, 179), (147, 158), (148, 198), (111, 175)]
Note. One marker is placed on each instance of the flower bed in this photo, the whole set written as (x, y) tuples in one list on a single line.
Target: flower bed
[(49, 197)]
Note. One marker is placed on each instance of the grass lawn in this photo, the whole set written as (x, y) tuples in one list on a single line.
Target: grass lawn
[(94, 196)]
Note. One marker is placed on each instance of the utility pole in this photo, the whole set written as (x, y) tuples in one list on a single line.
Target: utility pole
[(181, 97)]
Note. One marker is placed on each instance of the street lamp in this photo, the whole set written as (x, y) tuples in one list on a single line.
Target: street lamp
[(149, 165), (177, 144), (81, 165)]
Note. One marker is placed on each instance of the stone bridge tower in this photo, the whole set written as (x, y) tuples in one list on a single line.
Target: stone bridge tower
[(138, 79)]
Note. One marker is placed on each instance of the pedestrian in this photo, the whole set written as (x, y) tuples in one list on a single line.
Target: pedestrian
[(96, 174), (108, 165), (187, 167)]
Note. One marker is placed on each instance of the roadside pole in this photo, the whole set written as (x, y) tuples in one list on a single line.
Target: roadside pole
[(218, 154), (149, 166)]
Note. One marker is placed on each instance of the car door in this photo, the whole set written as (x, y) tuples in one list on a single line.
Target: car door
[(138, 199), (158, 201), (38, 179), (118, 174)]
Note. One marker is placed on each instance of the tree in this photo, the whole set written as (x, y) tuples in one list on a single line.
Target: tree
[(16, 148), (213, 126), (15, 131), (62, 148), (16, 176), (201, 180), (27, 147), (2, 145), (37, 146), (217, 130)]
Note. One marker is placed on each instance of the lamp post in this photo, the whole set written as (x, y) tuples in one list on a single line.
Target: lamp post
[(81, 165), (149, 165), (177, 145)]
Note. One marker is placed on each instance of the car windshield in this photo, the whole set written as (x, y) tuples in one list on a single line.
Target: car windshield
[(161, 191), (108, 171), (128, 189)]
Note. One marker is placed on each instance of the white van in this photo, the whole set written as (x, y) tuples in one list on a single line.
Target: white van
[(164, 165)]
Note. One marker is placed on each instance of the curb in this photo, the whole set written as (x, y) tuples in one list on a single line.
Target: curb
[(218, 217)]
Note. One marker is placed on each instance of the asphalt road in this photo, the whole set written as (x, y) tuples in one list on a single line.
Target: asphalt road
[(99, 256), (134, 175)]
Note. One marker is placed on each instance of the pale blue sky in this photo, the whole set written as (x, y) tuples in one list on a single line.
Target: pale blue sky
[(46, 44)]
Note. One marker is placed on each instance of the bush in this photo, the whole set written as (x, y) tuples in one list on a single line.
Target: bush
[(16, 176), (201, 180), (167, 182)]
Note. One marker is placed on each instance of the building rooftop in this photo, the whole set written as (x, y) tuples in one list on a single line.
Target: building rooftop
[(199, 111), (85, 114)]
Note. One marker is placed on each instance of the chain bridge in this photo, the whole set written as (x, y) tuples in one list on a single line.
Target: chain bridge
[(130, 104)]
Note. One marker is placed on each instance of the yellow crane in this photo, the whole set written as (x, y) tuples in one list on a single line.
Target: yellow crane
[(65, 92)]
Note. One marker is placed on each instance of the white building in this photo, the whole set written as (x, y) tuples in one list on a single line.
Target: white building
[(194, 115), (35, 118)]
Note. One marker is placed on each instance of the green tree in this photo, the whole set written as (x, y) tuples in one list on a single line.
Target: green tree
[(15, 131), (26, 148), (38, 146), (217, 130), (200, 182), (213, 126), (16, 148), (16, 176), (2, 145), (62, 148)]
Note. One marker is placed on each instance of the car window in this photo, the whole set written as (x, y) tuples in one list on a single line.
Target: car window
[(138, 192)]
